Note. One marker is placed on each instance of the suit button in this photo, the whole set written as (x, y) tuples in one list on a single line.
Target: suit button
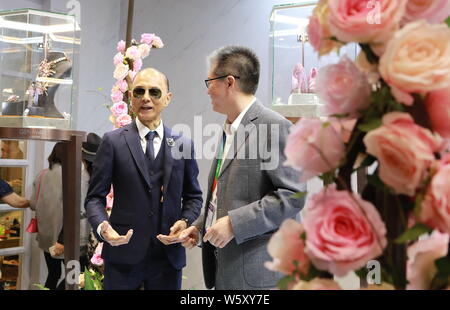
[(152, 173), (150, 214)]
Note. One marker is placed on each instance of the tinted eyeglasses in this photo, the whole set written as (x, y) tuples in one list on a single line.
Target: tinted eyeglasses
[(207, 82), (153, 92)]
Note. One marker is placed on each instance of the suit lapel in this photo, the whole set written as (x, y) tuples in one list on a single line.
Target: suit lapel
[(239, 139), (134, 144), (168, 160)]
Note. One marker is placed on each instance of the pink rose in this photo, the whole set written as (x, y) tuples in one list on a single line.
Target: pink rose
[(99, 248), (404, 151), (343, 231), (313, 148), (137, 64), (119, 108), (147, 38), (344, 127), (121, 71), (118, 59), (121, 46), (116, 95), (157, 42), (123, 120), (132, 74), (417, 59), (133, 53), (434, 11), (286, 246), (365, 21), (317, 284), (343, 87), (435, 210), (97, 260), (144, 49), (122, 85), (420, 268), (437, 105), (319, 32)]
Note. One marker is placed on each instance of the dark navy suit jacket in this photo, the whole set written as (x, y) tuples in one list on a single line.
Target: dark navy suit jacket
[(120, 161)]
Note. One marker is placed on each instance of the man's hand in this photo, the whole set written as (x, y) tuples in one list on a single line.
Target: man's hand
[(112, 237), (220, 233), (173, 236), (58, 248), (189, 237)]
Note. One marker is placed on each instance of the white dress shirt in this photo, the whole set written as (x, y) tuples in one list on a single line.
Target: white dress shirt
[(157, 141)]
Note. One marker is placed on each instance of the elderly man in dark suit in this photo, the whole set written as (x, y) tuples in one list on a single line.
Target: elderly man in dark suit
[(155, 192), (250, 191)]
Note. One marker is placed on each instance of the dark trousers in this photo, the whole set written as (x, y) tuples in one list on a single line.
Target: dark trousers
[(54, 271), (155, 272)]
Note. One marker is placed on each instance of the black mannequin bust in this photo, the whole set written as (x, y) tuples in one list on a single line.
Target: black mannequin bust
[(43, 104)]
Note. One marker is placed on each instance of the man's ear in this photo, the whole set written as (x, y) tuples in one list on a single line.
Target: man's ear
[(231, 81), (168, 98)]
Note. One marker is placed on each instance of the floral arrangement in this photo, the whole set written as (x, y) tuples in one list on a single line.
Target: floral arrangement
[(388, 114), (128, 62)]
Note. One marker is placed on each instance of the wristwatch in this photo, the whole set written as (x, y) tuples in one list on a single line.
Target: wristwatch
[(185, 220)]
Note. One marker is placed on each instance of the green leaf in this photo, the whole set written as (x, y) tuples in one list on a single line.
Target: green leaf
[(100, 88), (443, 266), (313, 272), (441, 279), (370, 125), (418, 203), (362, 273), (327, 177), (447, 21), (41, 287), (413, 233), (284, 282), (299, 195), (326, 124), (339, 115), (88, 282), (303, 236)]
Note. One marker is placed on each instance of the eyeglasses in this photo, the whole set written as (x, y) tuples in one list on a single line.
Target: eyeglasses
[(207, 82), (154, 92)]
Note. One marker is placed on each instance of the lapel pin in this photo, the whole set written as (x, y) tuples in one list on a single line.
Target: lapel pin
[(170, 142)]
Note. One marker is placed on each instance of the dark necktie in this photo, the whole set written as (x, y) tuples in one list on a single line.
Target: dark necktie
[(150, 152)]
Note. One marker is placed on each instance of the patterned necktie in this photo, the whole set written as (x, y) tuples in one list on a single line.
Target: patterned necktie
[(150, 152)]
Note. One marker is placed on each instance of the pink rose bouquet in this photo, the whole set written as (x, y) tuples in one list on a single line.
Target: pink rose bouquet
[(128, 62), (384, 209)]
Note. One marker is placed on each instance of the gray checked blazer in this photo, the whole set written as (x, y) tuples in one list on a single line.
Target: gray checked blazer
[(255, 189)]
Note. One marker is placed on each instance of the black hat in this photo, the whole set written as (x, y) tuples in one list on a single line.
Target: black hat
[(89, 148)]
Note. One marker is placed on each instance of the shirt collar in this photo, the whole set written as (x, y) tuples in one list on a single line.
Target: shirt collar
[(144, 130), (233, 127)]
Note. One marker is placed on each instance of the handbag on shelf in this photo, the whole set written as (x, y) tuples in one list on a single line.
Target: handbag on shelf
[(33, 225)]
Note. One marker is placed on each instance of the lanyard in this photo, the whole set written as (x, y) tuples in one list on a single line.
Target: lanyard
[(219, 162)]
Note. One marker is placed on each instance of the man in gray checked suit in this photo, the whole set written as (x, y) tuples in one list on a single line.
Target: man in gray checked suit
[(249, 190)]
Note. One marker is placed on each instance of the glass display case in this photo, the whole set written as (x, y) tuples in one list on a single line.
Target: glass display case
[(294, 63), (38, 55)]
